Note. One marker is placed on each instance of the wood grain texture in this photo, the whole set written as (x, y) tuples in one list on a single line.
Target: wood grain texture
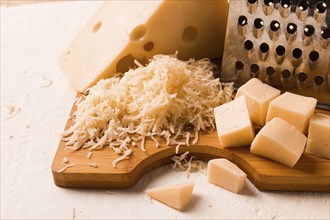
[(309, 174)]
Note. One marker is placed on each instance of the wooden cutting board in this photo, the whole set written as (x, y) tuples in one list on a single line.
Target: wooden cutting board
[(309, 174)]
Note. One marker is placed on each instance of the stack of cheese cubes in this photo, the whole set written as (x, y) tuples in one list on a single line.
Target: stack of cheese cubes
[(284, 121)]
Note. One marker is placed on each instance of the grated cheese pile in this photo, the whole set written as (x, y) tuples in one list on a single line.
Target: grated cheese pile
[(182, 163), (168, 98)]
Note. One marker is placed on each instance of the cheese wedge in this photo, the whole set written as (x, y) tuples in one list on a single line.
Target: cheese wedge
[(233, 123), (295, 109), (280, 141), (175, 196), (318, 142), (258, 96), (122, 31), (225, 174)]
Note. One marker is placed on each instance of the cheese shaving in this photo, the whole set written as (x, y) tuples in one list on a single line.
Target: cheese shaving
[(93, 165), (66, 167), (164, 99), (89, 154)]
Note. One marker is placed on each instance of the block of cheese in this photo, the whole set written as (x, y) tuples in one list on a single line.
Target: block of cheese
[(225, 174), (258, 96), (175, 196), (280, 141), (295, 109), (233, 123), (122, 31), (318, 142)]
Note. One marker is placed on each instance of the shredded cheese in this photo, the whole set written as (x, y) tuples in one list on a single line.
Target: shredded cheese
[(164, 99), (66, 167), (93, 165), (89, 154), (181, 163)]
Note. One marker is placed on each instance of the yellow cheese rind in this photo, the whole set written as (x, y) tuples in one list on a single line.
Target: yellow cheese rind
[(295, 109), (225, 174), (318, 142), (233, 123), (258, 96), (279, 141), (121, 31), (175, 196)]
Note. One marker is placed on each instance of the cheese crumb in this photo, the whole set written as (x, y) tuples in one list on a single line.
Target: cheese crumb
[(65, 160), (160, 100)]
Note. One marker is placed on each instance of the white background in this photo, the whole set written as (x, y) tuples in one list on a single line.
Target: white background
[(32, 39)]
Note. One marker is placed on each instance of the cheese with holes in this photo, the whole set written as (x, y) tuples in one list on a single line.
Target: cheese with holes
[(122, 31), (258, 96), (175, 196), (233, 123), (280, 141), (318, 142), (295, 109), (225, 174)]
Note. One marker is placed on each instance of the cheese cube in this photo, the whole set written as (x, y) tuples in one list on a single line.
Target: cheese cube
[(233, 123), (318, 142), (295, 109), (175, 196), (258, 96), (280, 141), (225, 174), (122, 31)]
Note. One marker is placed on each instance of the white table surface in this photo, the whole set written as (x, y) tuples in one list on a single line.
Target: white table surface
[(32, 38)]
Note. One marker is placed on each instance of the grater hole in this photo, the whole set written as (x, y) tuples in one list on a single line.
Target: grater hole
[(319, 80), (302, 77), (321, 7), (239, 65), (297, 53), (314, 56), (291, 28), (275, 25), (303, 5), (258, 23), (286, 3), (264, 48), (325, 33), (270, 71), (248, 45), (280, 50), (252, 1), (286, 74), (242, 20), (309, 30), (254, 68), (268, 2)]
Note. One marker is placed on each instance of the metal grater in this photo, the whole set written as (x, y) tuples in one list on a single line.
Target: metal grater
[(283, 43)]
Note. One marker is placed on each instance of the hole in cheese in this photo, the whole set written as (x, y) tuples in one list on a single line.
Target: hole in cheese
[(138, 33), (127, 62), (97, 27), (189, 34), (148, 46)]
